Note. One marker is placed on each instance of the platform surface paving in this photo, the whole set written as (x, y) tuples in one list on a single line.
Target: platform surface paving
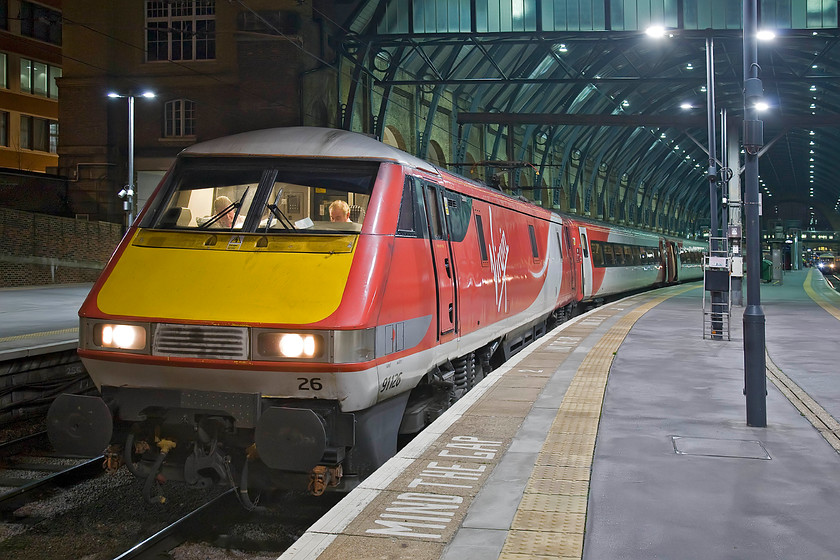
[(622, 435)]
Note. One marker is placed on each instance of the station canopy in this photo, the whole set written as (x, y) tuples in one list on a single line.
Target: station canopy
[(573, 104)]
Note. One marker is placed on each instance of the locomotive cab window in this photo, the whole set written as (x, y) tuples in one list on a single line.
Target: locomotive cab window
[(264, 195), (412, 219), (437, 227)]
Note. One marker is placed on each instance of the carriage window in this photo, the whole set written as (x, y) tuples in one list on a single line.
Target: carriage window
[(559, 245), (597, 254), (618, 253), (534, 250), (609, 260), (482, 244)]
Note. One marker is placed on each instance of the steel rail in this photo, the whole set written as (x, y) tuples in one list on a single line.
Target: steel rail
[(11, 447), (15, 498), (172, 535)]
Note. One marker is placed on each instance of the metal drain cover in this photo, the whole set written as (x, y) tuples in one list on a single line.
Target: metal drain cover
[(713, 447)]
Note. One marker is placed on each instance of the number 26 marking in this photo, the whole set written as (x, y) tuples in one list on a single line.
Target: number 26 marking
[(307, 384)]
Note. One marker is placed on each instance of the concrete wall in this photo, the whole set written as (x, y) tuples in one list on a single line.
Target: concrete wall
[(37, 249)]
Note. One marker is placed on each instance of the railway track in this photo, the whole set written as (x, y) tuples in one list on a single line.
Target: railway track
[(179, 531), (51, 508), (28, 469)]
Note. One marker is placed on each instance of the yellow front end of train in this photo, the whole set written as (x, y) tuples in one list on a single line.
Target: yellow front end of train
[(231, 332)]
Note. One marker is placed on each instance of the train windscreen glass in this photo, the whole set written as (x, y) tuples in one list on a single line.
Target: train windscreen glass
[(262, 195)]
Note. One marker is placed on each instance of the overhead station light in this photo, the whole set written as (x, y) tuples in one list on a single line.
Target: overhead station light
[(655, 31)]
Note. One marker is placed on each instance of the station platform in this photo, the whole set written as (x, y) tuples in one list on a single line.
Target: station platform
[(622, 434), (40, 319)]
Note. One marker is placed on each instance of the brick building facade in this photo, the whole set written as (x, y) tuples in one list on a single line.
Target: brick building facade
[(216, 68)]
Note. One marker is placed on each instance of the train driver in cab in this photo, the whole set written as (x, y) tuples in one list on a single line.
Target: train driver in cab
[(221, 204), (339, 211)]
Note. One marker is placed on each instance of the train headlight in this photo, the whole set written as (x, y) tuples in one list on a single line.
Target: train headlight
[(327, 346), (293, 346), (119, 336)]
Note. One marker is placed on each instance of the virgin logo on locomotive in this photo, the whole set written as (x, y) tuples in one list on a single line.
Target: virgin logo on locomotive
[(498, 265)]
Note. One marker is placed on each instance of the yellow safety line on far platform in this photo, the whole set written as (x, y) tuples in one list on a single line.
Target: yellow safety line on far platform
[(39, 335), (551, 517), (818, 298)]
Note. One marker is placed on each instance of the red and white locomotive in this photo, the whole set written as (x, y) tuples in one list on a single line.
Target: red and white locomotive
[(292, 300)]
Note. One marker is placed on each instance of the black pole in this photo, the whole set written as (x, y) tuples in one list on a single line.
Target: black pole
[(724, 167), (755, 382), (717, 297), (710, 116)]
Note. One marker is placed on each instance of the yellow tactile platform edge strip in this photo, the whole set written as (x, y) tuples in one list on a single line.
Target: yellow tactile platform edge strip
[(551, 517), (39, 335), (819, 299), (825, 423)]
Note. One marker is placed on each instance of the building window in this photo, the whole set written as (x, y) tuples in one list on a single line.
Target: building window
[(38, 134), (4, 71), (38, 78), (180, 30), (40, 23), (179, 118), (4, 14)]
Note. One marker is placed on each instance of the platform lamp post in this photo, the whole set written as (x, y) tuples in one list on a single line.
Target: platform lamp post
[(128, 191), (755, 382)]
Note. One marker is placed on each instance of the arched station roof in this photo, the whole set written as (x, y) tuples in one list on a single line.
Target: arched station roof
[(616, 119)]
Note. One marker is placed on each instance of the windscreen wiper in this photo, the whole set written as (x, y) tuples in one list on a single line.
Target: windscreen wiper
[(281, 217)]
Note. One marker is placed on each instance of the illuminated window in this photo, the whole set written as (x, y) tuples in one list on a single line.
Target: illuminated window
[(38, 134), (39, 78)]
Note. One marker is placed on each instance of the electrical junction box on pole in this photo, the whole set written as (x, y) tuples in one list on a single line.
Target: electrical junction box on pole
[(717, 293)]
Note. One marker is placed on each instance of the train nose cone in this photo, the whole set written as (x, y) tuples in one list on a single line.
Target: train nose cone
[(80, 425)]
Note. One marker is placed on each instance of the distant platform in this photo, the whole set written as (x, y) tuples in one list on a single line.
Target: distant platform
[(39, 319)]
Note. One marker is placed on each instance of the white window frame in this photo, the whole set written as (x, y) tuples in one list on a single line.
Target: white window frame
[(179, 118), (180, 30)]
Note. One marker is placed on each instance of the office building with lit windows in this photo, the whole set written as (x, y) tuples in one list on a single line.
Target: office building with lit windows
[(30, 67)]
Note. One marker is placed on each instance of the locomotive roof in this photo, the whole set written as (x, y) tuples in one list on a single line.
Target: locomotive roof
[(307, 141)]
